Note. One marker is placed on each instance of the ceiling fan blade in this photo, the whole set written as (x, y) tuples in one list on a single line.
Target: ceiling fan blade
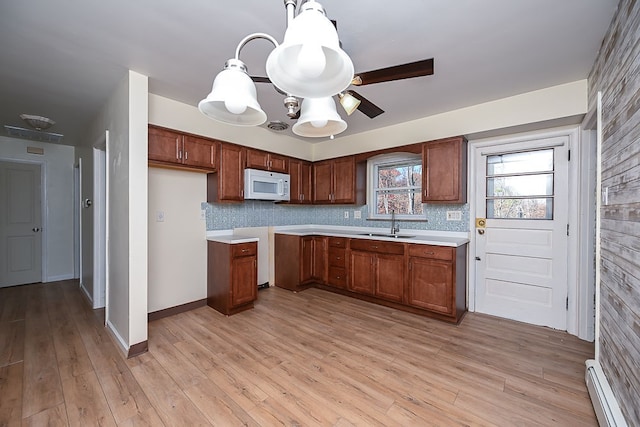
[(367, 107), (397, 72), (259, 79)]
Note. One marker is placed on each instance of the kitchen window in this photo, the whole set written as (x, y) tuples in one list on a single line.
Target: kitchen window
[(395, 184)]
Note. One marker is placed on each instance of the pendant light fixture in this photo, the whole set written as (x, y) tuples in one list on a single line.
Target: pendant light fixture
[(319, 118), (308, 64)]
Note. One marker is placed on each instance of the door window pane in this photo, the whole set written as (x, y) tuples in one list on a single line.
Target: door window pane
[(520, 185)]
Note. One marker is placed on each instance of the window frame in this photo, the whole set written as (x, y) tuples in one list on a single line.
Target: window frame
[(382, 160)]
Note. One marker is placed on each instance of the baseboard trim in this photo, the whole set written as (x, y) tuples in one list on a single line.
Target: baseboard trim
[(604, 402), (138, 349), (155, 315)]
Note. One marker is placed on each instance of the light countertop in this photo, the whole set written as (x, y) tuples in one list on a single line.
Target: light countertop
[(228, 237), (424, 237)]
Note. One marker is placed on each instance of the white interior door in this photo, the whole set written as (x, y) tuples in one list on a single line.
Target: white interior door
[(521, 249), (20, 224)]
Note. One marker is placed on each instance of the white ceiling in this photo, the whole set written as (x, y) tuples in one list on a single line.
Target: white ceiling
[(61, 59)]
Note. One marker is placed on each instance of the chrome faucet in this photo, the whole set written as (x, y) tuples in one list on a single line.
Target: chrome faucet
[(395, 228)]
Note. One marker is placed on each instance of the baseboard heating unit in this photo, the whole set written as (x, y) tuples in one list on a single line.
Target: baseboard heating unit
[(604, 402)]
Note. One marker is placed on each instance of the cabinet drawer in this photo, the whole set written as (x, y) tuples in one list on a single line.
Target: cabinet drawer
[(337, 257), (337, 242), (377, 246), (435, 252), (337, 277), (244, 249)]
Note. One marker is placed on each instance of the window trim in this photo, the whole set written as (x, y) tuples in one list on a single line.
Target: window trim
[(383, 160)]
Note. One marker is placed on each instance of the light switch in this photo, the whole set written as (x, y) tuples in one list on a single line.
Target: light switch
[(160, 216)]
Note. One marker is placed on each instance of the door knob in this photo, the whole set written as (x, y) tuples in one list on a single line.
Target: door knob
[(480, 230), (35, 229)]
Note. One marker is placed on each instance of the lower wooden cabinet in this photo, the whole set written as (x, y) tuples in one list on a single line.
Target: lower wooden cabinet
[(299, 261), (378, 268), (424, 279), (232, 276), (437, 279)]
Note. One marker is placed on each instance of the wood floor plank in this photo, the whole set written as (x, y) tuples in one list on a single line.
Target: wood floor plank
[(42, 388), (85, 402), (11, 342), (52, 417), (11, 394), (170, 402)]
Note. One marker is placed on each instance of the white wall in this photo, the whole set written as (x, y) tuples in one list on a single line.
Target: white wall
[(177, 245), (58, 234), (125, 116)]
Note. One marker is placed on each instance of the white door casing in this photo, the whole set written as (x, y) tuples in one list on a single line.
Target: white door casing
[(521, 264), (20, 223)]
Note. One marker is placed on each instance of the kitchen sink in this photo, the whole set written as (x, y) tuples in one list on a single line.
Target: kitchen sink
[(395, 236)]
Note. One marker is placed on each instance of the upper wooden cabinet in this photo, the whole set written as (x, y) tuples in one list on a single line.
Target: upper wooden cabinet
[(257, 159), (227, 185), (444, 171), (300, 181), (170, 148), (339, 181)]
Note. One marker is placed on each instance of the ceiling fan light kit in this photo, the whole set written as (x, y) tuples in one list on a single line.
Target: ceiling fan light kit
[(319, 118), (308, 64)]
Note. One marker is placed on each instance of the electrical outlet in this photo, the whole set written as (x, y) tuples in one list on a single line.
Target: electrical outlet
[(454, 215), (346, 214), (160, 216), (357, 214), (203, 215)]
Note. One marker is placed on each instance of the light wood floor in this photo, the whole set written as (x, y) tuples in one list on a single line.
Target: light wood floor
[(311, 358)]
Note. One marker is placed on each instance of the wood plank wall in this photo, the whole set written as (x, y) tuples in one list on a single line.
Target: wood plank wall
[(616, 73)]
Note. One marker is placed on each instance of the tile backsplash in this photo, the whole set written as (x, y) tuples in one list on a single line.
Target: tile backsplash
[(221, 216)]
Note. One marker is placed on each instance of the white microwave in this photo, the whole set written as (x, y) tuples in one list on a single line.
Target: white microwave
[(264, 185)]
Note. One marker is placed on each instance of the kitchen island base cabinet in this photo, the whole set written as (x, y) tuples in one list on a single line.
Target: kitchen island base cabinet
[(232, 276)]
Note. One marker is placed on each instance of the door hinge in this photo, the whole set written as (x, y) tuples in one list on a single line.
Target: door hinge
[(567, 229), (568, 155), (567, 303)]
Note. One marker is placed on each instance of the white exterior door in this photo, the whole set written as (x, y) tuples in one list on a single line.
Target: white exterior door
[(20, 224), (521, 249)]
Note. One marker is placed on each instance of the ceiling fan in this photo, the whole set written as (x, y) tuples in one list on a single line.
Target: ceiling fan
[(397, 72)]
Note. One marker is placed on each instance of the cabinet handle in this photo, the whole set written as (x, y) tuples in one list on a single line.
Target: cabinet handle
[(245, 250), (186, 155), (178, 153), (338, 257), (429, 253), (374, 247)]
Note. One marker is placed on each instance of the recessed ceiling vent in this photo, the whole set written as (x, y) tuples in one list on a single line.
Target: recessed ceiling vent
[(277, 126)]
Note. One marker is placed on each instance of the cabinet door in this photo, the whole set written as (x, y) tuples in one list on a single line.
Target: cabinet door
[(390, 277), (362, 272), (306, 265), (199, 152), (165, 145), (300, 183), (444, 165), (319, 258), (278, 163), (431, 285), (244, 280), (322, 190), (257, 159), (231, 173), (344, 187)]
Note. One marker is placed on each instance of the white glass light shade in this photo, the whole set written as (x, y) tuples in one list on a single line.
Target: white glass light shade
[(310, 63), (233, 98), (315, 112), (349, 102)]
